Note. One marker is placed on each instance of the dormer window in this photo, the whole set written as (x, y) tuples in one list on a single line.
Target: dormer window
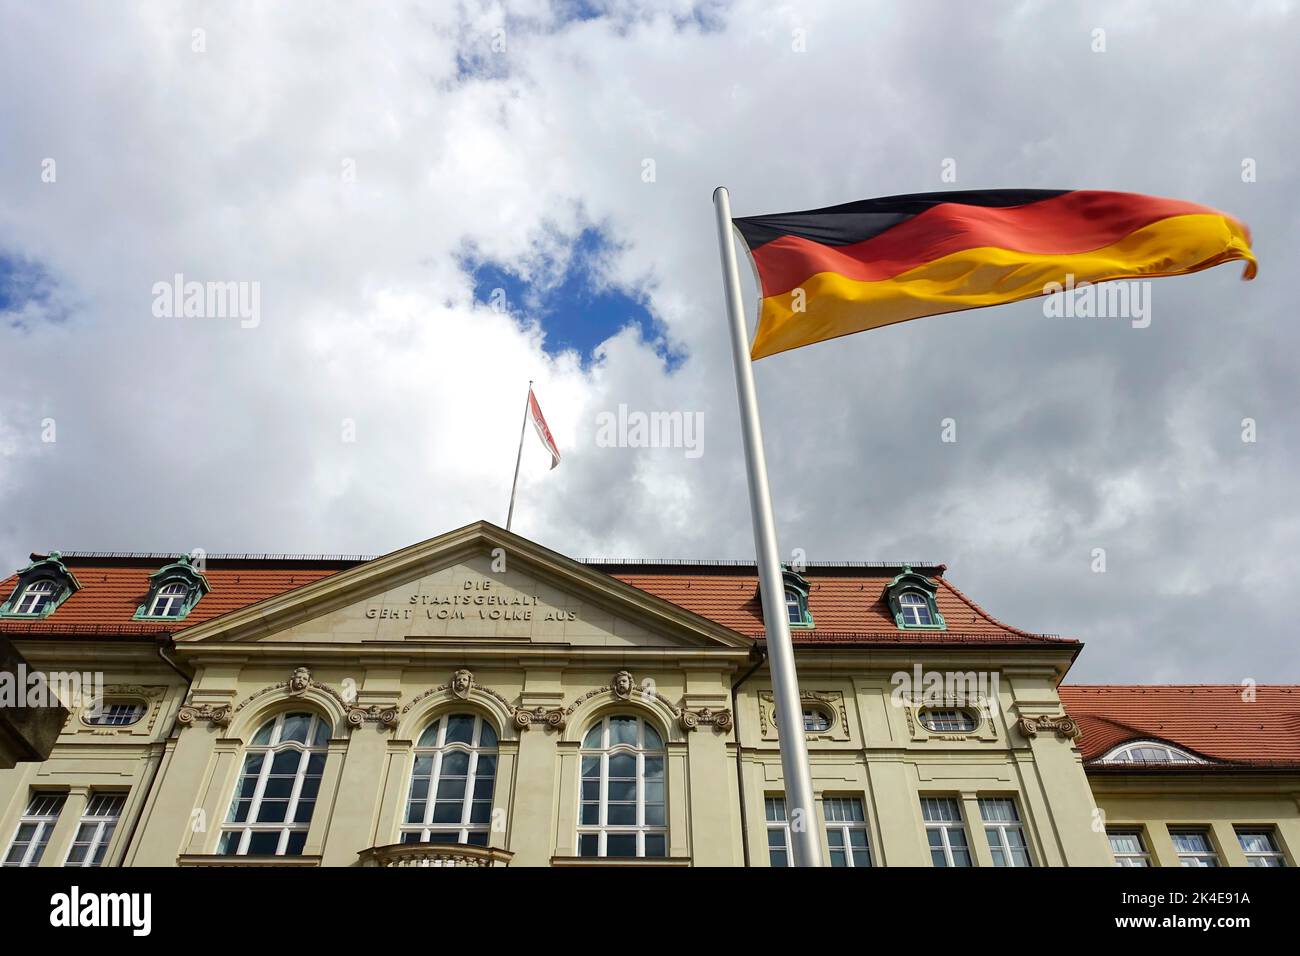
[(173, 592), (42, 586), (915, 610), (35, 598), (1149, 752), (911, 598), (793, 607), (170, 600), (796, 600)]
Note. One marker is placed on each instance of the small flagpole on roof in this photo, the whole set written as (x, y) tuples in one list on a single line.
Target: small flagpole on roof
[(510, 515), (785, 681)]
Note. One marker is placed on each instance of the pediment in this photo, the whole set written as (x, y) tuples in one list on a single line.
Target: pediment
[(477, 584)]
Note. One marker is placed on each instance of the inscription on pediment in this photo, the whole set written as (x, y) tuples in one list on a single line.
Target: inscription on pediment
[(470, 600)]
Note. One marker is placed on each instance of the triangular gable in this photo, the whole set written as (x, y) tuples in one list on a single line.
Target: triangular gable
[(479, 582)]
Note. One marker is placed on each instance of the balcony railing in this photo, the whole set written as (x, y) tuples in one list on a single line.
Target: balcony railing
[(434, 854)]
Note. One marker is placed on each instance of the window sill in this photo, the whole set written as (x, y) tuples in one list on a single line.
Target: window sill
[(650, 861), (211, 859)]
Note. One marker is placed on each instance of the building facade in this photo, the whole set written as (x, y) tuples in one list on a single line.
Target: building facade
[(477, 699)]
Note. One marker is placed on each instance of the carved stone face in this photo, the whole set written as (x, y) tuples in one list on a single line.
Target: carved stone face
[(461, 681), (623, 684), (300, 680)]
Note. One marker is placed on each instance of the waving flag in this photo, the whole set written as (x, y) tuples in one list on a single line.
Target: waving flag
[(544, 433), (844, 269)]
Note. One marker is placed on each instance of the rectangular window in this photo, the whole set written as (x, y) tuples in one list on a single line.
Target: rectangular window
[(96, 829), (34, 828), (1260, 847), (1194, 848), (1128, 848), (1006, 835), (945, 832), (846, 831), (778, 831)]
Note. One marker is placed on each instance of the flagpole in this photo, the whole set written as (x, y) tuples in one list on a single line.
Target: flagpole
[(518, 458), (785, 681)]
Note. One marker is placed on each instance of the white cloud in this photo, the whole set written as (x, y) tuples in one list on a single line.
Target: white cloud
[(228, 164)]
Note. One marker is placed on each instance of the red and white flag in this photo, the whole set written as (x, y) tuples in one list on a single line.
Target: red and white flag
[(544, 433)]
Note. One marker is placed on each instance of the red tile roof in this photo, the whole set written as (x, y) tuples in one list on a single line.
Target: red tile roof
[(846, 600), (1219, 722), (847, 604)]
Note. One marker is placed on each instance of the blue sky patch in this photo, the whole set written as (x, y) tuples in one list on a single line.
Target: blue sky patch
[(567, 297), (22, 282)]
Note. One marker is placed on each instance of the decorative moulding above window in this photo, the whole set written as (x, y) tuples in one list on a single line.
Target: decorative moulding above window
[(828, 702), (984, 729), (46, 576), (911, 598), (181, 573), (148, 698)]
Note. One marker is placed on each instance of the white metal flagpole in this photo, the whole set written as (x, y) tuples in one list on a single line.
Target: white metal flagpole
[(510, 515), (785, 681)]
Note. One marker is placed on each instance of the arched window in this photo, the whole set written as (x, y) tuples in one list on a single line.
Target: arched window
[(173, 591), (912, 600), (35, 598), (170, 600), (271, 809), (623, 807), (915, 609), (793, 607), (1149, 751), (451, 785)]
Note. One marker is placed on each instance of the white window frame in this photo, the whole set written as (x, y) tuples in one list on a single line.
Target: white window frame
[(1208, 857), (916, 603), (174, 594), (948, 720), (269, 751), (778, 821), (43, 810), (1272, 857), (821, 716), (114, 714), (945, 828), (833, 810), (641, 751), (996, 831), (1129, 858), (96, 827), (42, 588), (427, 829), (1163, 753)]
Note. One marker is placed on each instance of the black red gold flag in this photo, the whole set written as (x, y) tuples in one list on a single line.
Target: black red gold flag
[(844, 269)]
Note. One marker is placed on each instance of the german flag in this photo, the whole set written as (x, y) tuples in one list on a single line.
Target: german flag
[(844, 269)]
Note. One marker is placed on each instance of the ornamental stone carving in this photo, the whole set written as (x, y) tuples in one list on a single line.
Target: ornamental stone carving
[(461, 682), (623, 685), (525, 718), (299, 682), (358, 715), (691, 719), (218, 714), (1063, 726)]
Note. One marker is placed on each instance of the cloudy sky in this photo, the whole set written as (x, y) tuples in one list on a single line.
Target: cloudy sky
[(439, 201)]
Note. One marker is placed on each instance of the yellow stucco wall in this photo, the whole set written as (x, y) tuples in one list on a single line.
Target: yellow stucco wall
[(379, 679)]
